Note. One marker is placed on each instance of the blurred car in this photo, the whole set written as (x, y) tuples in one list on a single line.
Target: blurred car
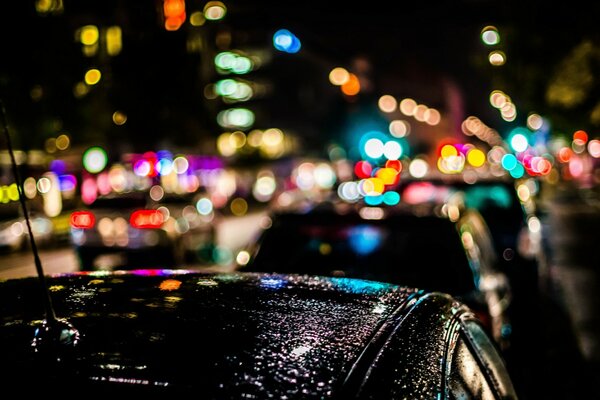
[(14, 235), (233, 336), (417, 247), (507, 205), (510, 212), (123, 230), (191, 218)]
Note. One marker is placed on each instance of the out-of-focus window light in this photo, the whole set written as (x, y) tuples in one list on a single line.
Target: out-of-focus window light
[(214, 10), (387, 103), (498, 99), (490, 35), (238, 207), (114, 43), (63, 142), (509, 112), (594, 148), (92, 76), (352, 86), (30, 187), (476, 157), (408, 106), (174, 12), (49, 7), (235, 118), (89, 35), (119, 118), (94, 159), (432, 116), (580, 136), (197, 18), (534, 122), (338, 76), (156, 192), (286, 41), (80, 89), (418, 168), (497, 58), (419, 112), (399, 128), (50, 145)]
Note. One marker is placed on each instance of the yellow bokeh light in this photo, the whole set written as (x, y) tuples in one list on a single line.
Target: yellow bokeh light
[(448, 150), (114, 42), (89, 35), (50, 145), (63, 142), (92, 76), (239, 207), (197, 19), (255, 137), (387, 175), (272, 137), (325, 248), (378, 185), (224, 145), (80, 89), (119, 118), (238, 139), (476, 157)]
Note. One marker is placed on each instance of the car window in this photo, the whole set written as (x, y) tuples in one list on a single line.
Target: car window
[(424, 252), (477, 370)]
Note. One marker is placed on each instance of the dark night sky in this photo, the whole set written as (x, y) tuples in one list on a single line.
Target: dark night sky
[(412, 49)]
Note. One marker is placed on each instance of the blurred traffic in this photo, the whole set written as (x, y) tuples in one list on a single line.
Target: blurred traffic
[(408, 144)]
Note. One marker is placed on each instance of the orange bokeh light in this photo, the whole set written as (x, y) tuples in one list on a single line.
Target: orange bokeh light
[(352, 86)]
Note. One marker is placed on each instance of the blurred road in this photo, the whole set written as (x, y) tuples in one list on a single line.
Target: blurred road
[(557, 353), (232, 233)]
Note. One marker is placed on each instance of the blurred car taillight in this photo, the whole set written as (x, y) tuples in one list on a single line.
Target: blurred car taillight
[(146, 219), (82, 219)]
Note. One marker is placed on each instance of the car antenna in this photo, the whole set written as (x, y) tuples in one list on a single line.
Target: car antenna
[(55, 333)]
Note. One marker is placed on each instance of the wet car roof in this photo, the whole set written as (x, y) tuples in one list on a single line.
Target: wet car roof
[(189, 330)]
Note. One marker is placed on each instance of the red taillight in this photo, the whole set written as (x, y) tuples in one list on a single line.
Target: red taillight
[(82, 219), (146, 219)]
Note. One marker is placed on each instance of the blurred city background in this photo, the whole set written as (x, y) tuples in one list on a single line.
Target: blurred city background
[(241, 107)]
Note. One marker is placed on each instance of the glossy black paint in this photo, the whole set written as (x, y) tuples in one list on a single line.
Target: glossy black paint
[(230, 335)]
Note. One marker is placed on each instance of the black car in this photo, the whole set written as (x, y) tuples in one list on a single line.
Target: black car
[(417, 247), (243, 335)]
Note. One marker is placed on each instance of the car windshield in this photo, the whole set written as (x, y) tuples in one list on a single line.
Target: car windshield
[(423, 252)]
